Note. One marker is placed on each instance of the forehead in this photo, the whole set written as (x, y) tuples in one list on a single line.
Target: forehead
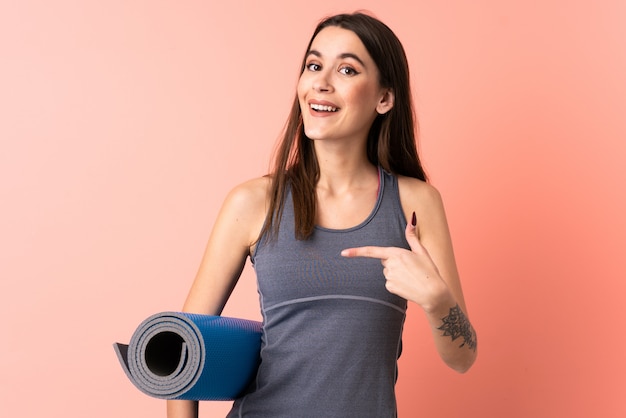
[(334, 41)]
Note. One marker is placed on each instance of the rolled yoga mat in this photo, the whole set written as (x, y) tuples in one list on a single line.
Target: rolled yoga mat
[(178, 355)]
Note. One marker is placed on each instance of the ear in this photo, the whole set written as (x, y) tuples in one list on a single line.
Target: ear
[(386, 102)]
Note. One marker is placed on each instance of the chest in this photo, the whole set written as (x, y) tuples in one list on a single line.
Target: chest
[(289, 270)]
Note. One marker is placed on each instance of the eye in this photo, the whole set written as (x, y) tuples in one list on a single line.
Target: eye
[(347, 70), (313, 66)]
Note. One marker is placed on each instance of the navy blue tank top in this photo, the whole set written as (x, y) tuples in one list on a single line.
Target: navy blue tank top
[(331, 330)]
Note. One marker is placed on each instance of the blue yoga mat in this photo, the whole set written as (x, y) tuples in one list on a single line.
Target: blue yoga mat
[(178, 355)]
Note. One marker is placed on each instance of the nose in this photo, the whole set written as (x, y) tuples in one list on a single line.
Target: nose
[(322, 82)]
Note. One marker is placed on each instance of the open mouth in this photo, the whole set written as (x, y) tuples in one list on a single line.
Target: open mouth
[(323, 108)]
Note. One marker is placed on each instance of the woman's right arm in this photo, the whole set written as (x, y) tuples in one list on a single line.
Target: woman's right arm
[(231, 241)]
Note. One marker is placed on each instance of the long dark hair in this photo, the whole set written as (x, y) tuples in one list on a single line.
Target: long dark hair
[(391, 142)]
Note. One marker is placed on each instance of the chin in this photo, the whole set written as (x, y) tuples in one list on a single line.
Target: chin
[(314, 135)]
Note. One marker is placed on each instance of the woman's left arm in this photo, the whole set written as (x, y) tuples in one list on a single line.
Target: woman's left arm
[(427, 274)]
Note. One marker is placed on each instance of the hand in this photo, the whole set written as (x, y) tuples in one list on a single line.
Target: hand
[(412, 274)]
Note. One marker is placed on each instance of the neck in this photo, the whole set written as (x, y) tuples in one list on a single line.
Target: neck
[(341, 168)]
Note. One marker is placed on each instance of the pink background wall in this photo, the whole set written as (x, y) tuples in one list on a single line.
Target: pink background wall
[(124, 123)]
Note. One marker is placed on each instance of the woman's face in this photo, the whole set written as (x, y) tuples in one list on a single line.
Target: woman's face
[(339, 92)]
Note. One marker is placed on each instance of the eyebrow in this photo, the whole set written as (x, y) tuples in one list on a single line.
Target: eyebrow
[(341, 56)]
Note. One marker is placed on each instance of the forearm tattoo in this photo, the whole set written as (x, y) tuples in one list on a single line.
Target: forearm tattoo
[(456, 325)]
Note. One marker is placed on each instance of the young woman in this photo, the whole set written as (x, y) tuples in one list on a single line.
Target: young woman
[(342, 233)]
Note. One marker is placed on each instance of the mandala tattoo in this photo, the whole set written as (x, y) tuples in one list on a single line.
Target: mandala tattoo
[(457, 325)]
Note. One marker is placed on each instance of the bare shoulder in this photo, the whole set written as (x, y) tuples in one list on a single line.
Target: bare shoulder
[(252, 194), (419, 196), (245, 208)]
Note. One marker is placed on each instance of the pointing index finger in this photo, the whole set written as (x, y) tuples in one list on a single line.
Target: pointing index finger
[(369, 251)]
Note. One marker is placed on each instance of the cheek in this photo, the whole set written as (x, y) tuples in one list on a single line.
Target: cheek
[(363, 95), (304, 84), (368, 96), (301, 90)]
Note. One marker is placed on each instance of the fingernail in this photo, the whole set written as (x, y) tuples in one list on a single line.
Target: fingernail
[(414, 219)]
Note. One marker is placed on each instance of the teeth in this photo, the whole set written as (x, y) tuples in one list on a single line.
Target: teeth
[(323, 108)]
